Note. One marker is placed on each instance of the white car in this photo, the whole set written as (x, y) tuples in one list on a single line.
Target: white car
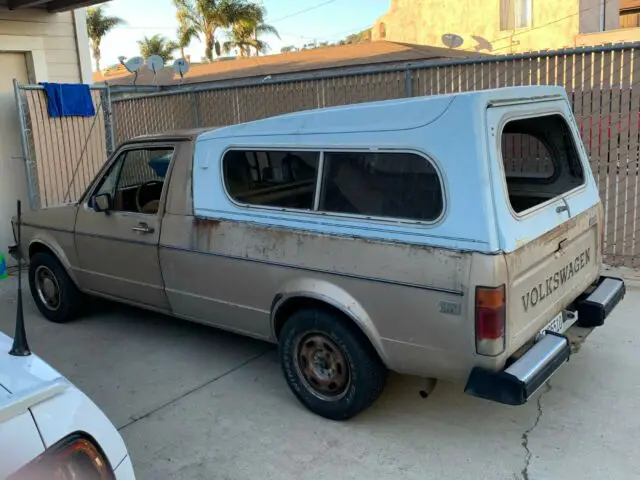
[(51, 430)]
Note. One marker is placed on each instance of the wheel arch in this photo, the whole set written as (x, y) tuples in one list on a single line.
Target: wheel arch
[(307, 293), (46, 245)]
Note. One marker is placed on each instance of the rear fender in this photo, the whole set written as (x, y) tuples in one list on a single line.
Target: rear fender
[(332, 295)]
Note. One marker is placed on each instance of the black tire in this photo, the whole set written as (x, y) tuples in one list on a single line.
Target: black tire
[(366, 373), (70, 298)]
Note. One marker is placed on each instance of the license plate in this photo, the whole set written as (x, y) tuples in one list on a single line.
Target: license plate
[(554, 325)]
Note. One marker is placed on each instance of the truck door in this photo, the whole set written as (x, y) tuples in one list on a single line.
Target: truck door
[(118, 248)]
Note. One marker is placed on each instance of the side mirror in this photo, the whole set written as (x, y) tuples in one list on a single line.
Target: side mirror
[(102, 202)]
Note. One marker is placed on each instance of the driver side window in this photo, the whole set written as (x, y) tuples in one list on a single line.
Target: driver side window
[(136, 179)]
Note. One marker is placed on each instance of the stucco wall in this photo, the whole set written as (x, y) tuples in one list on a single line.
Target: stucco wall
[(555, 24)]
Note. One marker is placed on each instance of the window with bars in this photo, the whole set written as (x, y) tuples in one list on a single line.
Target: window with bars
[(515, 14)]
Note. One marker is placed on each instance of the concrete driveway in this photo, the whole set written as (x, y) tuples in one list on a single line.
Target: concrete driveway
[(196, 403)]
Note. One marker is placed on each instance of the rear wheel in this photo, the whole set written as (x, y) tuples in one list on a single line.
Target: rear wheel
[(53, 291), (329, 364)]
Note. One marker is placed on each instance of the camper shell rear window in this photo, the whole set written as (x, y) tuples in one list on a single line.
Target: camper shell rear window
[(540, 160)]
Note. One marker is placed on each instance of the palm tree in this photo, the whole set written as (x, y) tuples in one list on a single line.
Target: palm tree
[(245, 33), (206, 17), (186, 32), (157, 45), (98, 25), (184, 38)]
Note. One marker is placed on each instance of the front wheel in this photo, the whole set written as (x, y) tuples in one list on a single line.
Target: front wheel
[(329, 364), (53, 291)]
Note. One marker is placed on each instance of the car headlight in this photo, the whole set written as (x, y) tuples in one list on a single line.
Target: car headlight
[(76, 457)]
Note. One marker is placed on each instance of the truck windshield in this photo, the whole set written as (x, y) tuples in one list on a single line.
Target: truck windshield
[(540, 159)]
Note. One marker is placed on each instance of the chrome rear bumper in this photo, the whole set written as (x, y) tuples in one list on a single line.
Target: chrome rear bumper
[(595, 306), (520, 380), (516, 384)]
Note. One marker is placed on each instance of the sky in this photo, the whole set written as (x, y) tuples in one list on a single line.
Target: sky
[(298, 22)]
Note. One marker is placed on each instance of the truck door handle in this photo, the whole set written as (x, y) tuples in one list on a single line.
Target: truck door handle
[(562, 208), (143, 228)]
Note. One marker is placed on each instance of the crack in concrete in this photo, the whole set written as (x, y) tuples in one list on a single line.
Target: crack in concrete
[(525, 435), (135, 419)]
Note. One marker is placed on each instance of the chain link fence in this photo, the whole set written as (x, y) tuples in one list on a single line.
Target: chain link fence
[(603, 84), (211, 106), (62, 155)]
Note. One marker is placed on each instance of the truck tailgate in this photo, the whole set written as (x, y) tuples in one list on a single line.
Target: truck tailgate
[(548, 273)]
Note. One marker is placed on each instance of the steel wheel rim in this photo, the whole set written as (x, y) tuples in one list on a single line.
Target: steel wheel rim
[(48, 288), (322, 366)]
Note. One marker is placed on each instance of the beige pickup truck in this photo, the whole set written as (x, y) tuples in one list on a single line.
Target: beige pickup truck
[(454, 237)]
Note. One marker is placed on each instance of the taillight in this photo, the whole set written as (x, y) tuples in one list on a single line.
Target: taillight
[(490, 320), (74, 458)]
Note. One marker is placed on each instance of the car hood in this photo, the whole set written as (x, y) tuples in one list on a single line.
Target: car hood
[(19, 374), (57, 406)]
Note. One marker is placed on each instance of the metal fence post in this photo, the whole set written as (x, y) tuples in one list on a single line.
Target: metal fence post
[(108, 123), (196, 113), (237, 106), (408, 82), (31, 183)]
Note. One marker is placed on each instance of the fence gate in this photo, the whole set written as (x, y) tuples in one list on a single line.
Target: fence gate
[(62, 155)]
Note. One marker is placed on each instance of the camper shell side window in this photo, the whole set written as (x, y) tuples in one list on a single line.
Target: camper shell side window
[(402, 186)]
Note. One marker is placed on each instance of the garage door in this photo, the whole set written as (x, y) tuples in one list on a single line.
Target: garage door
[(13, 184)]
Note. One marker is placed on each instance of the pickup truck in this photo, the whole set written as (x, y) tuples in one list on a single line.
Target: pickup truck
[(454, 237)]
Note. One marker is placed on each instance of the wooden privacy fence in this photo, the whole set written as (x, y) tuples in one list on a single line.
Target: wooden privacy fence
[(62, 155)]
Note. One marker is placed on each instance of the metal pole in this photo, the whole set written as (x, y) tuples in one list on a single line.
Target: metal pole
[(194, 106), (237, 105), (25, 147), (109, 114), (408, 82)]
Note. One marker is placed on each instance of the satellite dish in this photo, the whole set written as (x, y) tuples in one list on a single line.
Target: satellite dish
[(181, 67), (155, 63), (452, 40), (133, 64)]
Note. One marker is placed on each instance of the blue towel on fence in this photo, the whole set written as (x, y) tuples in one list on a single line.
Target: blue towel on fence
[(69, 99)]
